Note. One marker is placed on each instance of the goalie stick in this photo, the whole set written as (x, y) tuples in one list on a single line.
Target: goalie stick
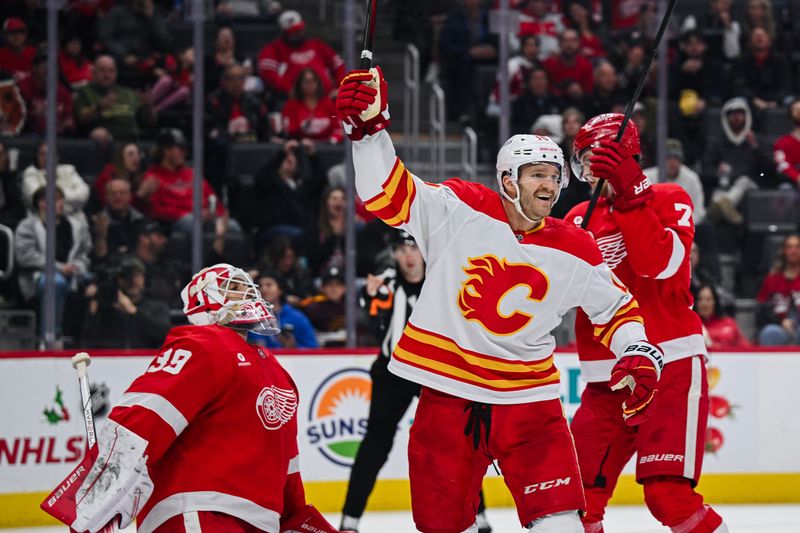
[(80, 362)]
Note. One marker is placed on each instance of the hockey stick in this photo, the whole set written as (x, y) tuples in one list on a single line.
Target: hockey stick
[(369, 34), (629, 110), (80, 362)]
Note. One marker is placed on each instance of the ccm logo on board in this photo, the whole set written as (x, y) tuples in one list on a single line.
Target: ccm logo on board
[(547, 485)]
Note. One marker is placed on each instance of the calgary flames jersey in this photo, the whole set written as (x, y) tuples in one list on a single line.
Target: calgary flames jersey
[(219, 418), (481, 327), (648, 249)]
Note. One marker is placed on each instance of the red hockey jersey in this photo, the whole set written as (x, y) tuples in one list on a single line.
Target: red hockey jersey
[(173, 198), (319, 124), (647, 248), (219, 418), (279, 64), (786, 153)]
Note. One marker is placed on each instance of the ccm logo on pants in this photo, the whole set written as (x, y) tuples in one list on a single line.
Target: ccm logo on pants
[(660, 457), (547, 485)]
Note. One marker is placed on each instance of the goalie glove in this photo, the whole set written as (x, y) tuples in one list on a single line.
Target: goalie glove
[(308, 519), (639, 369), (362, 103), (115, 484), (613, 162)]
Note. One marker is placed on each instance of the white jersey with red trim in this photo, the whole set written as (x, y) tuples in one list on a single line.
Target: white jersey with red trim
[(219, 417), (648, 249), (481, 327)]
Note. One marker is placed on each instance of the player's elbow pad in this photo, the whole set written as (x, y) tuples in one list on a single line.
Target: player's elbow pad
[(118, 483)]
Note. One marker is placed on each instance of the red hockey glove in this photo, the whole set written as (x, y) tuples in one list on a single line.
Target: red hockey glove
[(307, 519), (362, 103), (639, 368), (614, 163)]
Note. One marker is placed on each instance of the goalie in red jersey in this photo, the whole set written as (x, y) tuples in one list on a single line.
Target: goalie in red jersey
[(206, 438), (645, 233)]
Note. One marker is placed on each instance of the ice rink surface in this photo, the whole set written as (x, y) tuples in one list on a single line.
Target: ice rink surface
[(620, 519)]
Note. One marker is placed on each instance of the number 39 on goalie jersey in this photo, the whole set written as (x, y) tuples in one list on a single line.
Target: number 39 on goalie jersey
[(219, 417), (481, 327)]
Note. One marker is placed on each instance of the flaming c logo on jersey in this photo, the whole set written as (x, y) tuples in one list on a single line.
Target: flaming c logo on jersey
[(337, 418), (489, 280)]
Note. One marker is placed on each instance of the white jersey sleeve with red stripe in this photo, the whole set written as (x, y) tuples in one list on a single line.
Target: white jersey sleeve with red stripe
[(481, 326)]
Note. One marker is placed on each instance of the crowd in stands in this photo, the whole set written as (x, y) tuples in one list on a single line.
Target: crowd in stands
[(124, 174)]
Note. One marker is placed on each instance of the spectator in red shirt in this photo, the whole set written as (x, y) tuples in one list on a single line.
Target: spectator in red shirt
[(232, 116), (126, 165), (282, 60), (570, 62), (167, 186), (34, 91), (309, 113), (579, 16), (74, 65), (16, 57), (786, 151), (720, 331), (779, 298)]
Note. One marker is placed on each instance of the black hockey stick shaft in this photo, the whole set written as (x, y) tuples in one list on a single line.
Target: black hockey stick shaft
[(629, 110), (369, 34)]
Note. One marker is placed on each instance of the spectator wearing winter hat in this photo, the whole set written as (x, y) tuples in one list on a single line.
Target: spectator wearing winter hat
[(678, 173), (16, 57), (281, 61), (33, 89), (326, 310)]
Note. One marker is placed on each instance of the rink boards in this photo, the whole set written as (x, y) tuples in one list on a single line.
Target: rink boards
[(751, 452)]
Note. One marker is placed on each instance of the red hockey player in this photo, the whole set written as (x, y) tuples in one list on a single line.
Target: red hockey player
[(500, 275), (206, 438), (645, 233)]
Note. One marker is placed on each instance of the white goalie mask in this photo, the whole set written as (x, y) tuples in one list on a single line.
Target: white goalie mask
[(227, 296), (522, 150)]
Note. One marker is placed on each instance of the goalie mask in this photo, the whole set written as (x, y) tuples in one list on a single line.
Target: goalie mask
[(522, 150), (227, 296), (600, 128)]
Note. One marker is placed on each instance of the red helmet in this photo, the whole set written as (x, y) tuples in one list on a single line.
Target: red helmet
[(599, 128), (225, 295)]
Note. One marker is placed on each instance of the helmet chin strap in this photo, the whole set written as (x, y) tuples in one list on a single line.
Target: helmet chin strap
[(518, 206)]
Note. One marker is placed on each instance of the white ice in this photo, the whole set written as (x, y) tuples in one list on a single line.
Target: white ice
[(619, 519)]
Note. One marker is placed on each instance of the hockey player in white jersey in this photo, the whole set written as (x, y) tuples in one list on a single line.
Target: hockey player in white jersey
[(500, 275)]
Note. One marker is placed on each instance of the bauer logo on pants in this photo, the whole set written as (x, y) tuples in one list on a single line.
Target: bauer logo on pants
[(337, 417)]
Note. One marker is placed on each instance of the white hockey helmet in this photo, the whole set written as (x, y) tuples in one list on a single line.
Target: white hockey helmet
[(225, 295), (525, 149)]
